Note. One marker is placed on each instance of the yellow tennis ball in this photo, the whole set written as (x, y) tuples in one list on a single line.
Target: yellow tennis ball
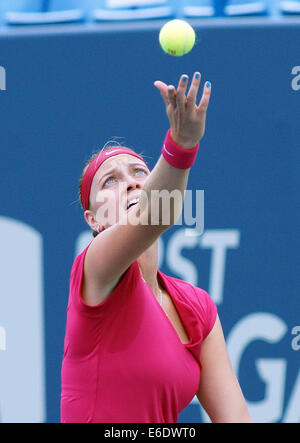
[(177, 37)]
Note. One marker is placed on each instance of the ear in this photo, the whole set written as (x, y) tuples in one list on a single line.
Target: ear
[(91, 221)]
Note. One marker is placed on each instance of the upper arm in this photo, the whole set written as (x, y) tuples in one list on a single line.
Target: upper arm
[(112, 252), (219, 391)]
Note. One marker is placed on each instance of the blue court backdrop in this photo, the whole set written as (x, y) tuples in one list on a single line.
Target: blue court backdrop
[(66, 91)]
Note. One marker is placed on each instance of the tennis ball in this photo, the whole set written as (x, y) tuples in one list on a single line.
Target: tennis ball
[(177, 37)]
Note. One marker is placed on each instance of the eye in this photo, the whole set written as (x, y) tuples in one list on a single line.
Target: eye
[(140, 170), (107, 181)]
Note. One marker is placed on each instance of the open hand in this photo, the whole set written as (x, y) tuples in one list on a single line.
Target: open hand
[(187, 120)]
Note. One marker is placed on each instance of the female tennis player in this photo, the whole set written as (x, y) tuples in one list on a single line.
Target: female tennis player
[(140, 344)]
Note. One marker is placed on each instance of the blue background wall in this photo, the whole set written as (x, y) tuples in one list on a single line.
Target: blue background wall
[(68, 91)]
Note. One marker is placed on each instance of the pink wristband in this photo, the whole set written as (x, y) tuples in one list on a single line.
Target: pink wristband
[(177, 156)]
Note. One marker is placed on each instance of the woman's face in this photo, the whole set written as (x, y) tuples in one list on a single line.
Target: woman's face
[(118, 181)]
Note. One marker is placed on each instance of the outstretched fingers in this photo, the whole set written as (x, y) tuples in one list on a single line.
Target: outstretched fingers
[(163, 89), (187, 120), (167, 93), (181, 90), (203, 105), (193, 91), (177, 98), (172, 95)]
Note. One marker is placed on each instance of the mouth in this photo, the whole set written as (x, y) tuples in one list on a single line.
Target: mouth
[(132, 202)]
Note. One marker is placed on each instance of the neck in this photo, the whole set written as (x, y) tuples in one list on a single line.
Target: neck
[(148, 264)]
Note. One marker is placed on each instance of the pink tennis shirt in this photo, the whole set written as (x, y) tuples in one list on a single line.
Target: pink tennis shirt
[(123, 359)]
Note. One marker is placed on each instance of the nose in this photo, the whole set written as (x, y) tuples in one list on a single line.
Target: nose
[(132, 183)]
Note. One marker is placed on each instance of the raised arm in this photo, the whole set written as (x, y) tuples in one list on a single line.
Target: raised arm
[(115, 249)]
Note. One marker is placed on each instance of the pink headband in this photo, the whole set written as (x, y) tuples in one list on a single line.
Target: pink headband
[(93, 168)]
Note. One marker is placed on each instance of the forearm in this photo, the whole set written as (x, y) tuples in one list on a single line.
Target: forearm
[(173, 182), (187, 124)]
